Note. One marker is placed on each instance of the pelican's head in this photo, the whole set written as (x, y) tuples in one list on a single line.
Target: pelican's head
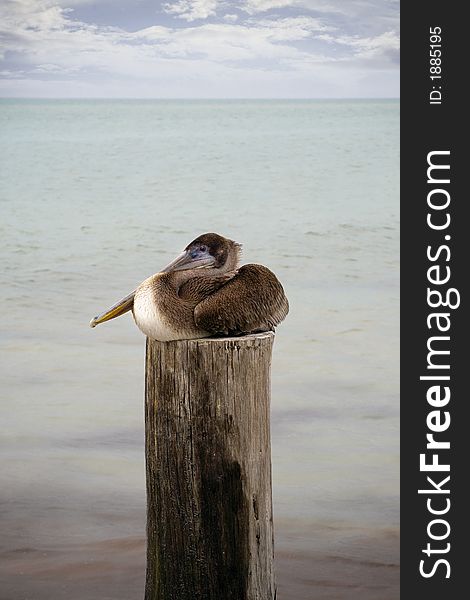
[(208, 251)]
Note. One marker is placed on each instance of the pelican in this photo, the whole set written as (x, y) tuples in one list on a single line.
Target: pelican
[(204, 292)]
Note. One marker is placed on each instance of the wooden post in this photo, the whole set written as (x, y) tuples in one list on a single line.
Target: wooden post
[(208, 453)]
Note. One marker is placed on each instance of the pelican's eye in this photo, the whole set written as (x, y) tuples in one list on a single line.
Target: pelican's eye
[(202, 248)]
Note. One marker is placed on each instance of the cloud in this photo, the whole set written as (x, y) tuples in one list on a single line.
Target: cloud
[(349, 7), (292, 28), (254, 7), (384, 45), (191, 10), (49, 50), (51, 68), (227, 42), (230, 18)]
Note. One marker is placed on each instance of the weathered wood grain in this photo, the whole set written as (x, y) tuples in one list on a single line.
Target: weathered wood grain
[(209, 506)]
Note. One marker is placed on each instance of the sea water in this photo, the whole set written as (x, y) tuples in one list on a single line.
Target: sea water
[(96, 196)]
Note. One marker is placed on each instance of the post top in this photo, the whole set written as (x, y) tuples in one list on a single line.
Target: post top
[(250, 336), (240, 339)]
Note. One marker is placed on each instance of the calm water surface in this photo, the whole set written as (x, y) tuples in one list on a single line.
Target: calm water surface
[(97, 195)]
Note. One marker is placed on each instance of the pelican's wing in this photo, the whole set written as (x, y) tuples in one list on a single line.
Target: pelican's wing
[(252, 300), (200, 287)]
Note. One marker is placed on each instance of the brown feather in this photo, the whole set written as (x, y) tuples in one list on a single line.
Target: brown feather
[(200, 287), (252, 300)]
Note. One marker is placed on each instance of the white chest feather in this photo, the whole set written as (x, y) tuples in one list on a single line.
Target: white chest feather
[(151, 313), (149, 318)]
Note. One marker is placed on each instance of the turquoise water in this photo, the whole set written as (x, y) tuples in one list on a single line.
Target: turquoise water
[(97, 195)]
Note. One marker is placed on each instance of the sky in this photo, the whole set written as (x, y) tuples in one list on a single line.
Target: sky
[(199, 48)]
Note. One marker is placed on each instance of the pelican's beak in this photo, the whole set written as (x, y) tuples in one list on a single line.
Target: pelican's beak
[(116, 310), (189, 260)]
